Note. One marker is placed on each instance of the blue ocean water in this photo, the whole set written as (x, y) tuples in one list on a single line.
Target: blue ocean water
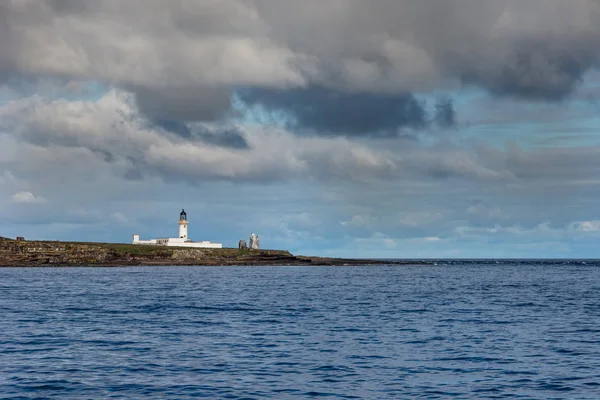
[(461, 329)]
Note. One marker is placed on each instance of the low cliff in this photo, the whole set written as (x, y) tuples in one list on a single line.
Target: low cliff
[(50, 253), (34, 253)]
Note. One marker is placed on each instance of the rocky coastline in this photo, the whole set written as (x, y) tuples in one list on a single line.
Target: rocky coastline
[(21, 253)]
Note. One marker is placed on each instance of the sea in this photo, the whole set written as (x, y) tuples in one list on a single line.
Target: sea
[(464, 329)]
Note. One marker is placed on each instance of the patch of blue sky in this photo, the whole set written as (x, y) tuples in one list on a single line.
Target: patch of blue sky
[(497, 121), (258, 115), (52, 90), (86, 91), (7, 95), (579, 133)]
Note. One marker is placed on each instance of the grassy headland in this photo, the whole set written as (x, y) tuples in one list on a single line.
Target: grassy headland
[(56, 253)]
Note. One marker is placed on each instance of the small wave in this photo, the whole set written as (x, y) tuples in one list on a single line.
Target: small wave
[(332, 368), (555, 387)]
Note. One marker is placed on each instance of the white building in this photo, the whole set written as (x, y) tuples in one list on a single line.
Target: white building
[(181, 241)]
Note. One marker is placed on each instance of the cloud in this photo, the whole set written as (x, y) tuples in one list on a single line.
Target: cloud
[(186, 103), (586, 226), (27, 198), (190, 44), (112, 130), (546, 229), (487, 213), (214, 135), (179, 65), (120, 218), (536, 49), (7, 178), (500, 230)]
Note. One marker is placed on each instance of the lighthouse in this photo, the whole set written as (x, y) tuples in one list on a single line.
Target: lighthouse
[(183, 225), (181, 241)]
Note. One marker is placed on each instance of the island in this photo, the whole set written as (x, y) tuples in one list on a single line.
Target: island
[(39, 253)]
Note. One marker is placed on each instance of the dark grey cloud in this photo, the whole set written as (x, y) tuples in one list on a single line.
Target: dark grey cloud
[(221, 137), (177, 127), (70, 6), (133, 174), (226, 138), (194, 103), (327, 111), (537, 49), (536, 70), (6, 44)]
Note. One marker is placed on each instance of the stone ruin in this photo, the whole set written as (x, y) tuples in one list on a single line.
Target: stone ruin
[(242, 245)]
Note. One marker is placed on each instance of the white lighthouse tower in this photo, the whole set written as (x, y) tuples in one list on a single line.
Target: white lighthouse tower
[(181, 241), (183, 225)]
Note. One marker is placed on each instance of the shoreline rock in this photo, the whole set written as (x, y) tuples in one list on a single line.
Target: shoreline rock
[(21, 253)]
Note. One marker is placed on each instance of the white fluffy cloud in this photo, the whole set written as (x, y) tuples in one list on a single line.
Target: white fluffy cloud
[(149, 43), (112, 129), (586, 226), (27, 198)]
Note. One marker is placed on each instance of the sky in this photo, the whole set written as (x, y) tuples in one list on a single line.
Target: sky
[(387, 128)]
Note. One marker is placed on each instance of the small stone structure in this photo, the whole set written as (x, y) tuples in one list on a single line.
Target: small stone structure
[(242, 245), (20, 238), (254, 242)]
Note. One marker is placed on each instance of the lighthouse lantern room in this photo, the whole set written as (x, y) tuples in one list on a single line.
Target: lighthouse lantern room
[(183, 225)]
